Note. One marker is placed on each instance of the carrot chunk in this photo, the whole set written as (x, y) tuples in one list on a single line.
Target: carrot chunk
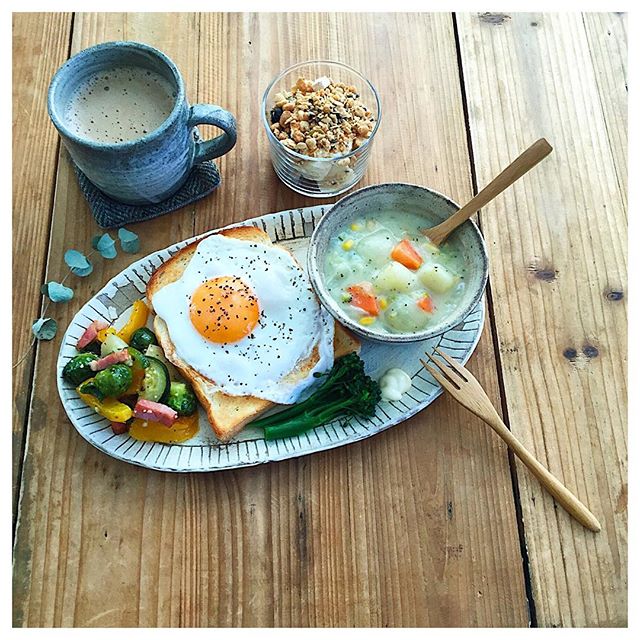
[(405, 253), (362, 296), (426, 304)]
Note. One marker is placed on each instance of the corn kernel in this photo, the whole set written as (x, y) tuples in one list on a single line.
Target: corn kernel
[(347, 244), (367, 320), (382, 302), (356, 227)]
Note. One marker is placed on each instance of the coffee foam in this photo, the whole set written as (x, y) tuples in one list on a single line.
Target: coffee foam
[(121, 104)]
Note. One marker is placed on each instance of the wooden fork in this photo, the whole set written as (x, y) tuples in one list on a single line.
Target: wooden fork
[(467, 391)]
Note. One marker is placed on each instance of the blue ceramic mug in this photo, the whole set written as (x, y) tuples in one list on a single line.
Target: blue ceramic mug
[(122, 113)]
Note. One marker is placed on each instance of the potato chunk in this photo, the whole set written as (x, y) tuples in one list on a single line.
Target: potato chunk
[(437, 277), (404, 315), (376, 247), (395, 277), (343, 269)]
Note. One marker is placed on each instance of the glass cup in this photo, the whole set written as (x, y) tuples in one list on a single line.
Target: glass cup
[(325, 176)]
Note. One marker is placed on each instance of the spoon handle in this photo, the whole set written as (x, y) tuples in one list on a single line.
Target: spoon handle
[(523, 163)]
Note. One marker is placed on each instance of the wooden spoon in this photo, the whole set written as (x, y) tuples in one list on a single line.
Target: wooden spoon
[(523, 163)]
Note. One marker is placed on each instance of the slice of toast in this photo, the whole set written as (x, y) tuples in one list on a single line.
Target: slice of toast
[(228, 414)]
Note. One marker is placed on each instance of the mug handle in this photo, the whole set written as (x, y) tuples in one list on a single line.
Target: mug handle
[(218, 146)]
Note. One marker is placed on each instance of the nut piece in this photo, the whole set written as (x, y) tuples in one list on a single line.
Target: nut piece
[(321, 119)]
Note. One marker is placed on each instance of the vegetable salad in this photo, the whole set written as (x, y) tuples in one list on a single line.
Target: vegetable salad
[(124, 375)]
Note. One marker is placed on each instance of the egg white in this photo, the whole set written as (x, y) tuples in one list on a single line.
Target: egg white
[(290, 325)]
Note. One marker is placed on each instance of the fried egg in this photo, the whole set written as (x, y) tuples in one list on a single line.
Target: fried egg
[(244, 316)]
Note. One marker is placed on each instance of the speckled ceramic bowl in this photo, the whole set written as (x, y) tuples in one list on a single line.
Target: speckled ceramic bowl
[(401, 197)]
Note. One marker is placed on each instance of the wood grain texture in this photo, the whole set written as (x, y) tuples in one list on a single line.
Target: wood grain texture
[(557, 244), (54, 542), (335, 559), (40, 45), (413, 527), (607, 41)]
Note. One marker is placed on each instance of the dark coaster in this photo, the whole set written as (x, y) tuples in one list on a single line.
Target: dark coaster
[(109, 213)]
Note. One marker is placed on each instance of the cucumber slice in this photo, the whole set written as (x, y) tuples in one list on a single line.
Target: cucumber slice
[(156, 352), (155, 384)]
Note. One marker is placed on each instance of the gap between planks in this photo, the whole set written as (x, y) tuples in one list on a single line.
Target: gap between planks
[(531, 605)]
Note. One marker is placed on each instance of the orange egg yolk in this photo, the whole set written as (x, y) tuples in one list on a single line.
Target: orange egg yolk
[(224, 309)]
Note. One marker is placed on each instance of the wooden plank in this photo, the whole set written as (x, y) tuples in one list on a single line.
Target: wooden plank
[(558, 255), (55, 546), (607, 41), (40, 45), (413, 527)]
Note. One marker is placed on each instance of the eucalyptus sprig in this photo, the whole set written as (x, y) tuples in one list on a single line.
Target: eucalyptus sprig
[(46, 328)]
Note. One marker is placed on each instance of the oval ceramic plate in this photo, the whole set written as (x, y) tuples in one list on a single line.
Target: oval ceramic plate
[(204, 452)]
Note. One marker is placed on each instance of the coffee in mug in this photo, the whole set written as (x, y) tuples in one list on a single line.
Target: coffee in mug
[(122, 112), (124, 103)]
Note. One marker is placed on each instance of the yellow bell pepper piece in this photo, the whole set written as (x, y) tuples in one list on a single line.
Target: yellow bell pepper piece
[(137, 320), (182, 429), (103, 333), (109, 408)]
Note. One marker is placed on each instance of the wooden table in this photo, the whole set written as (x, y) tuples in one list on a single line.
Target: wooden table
[(431, 523)]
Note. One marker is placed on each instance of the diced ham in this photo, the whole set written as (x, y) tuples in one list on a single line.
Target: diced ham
[(154, 412), (113, 358), (119, 427), (91, 332)]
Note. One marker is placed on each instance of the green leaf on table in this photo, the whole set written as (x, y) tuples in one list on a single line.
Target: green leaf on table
[(129, 241), (44, 328), (57, 292), (78, 263), (106, 245)]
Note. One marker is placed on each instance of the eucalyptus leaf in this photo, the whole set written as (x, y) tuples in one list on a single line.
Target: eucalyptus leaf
[(107, 247), (78, 263), (129, 241), (57, 292), (44, 328)]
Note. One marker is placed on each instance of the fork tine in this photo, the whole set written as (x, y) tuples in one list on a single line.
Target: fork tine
[(455, 365), (442, 366), (444, 382), (444, 369)]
